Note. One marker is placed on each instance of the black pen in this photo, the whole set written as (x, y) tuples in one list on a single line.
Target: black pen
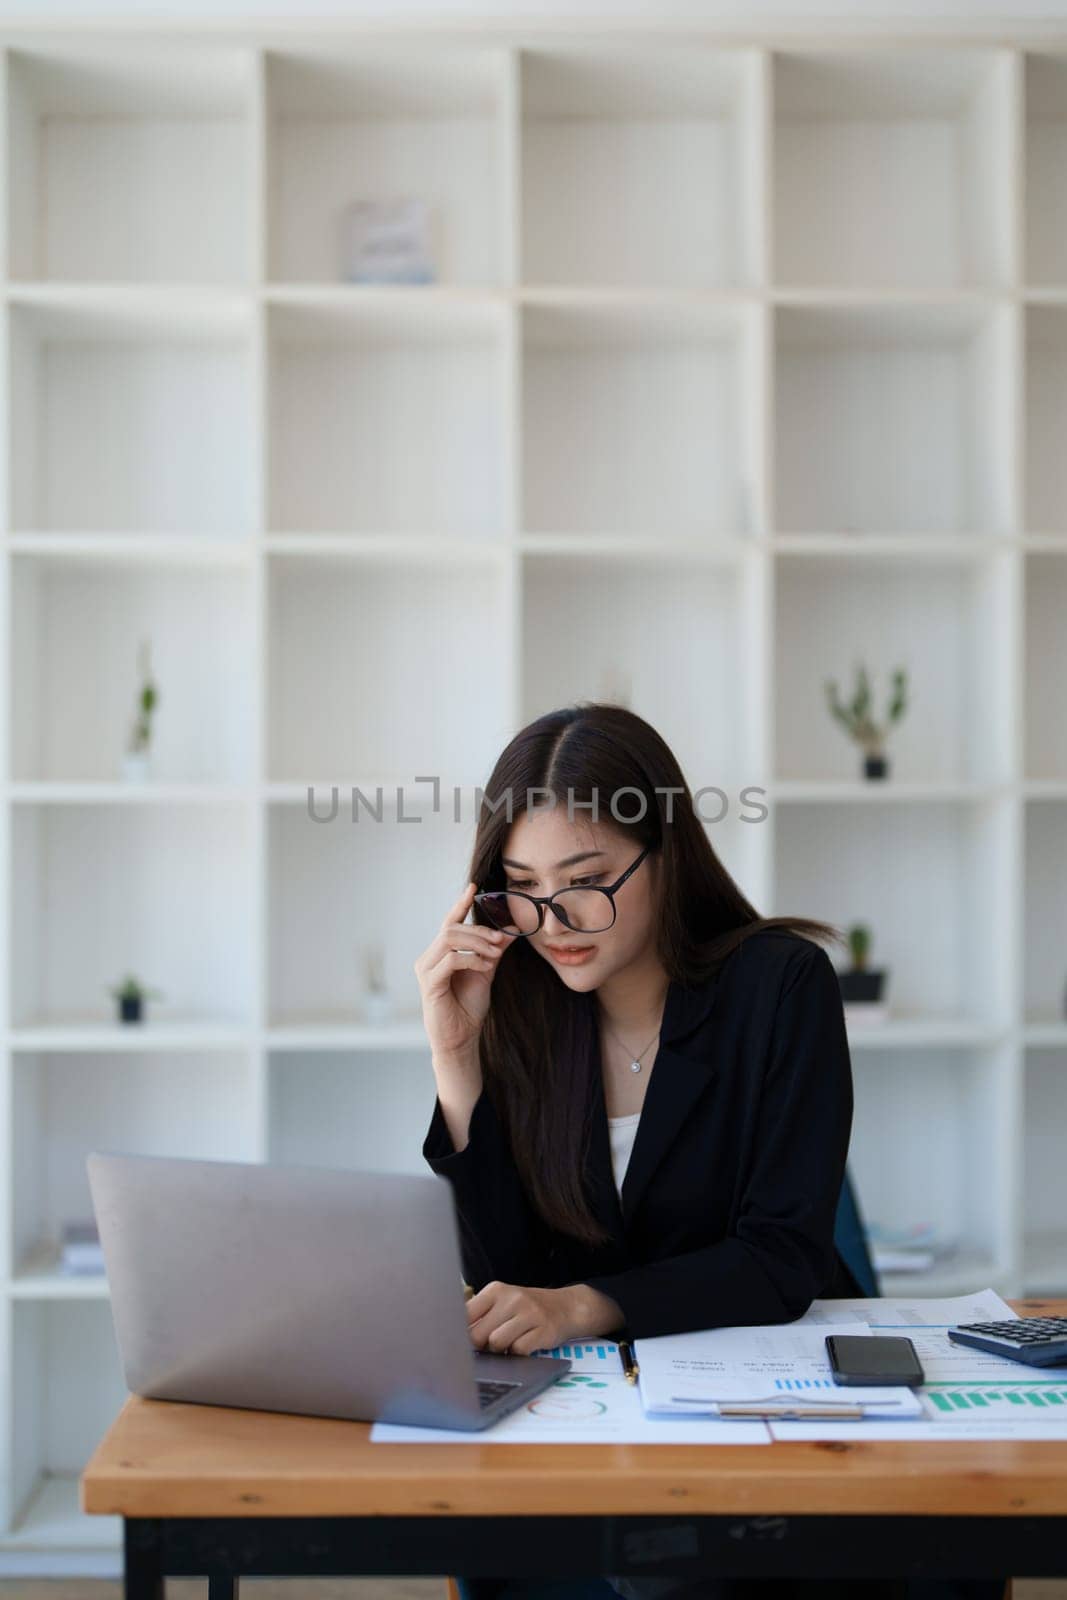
[(629, 1365)]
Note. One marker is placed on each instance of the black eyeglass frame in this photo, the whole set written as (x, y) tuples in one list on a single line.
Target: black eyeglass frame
[(542, 900)]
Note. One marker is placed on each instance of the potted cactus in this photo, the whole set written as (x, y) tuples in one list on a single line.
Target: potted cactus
[(131, 995), (862, 986), (857, 721), (135, 761)]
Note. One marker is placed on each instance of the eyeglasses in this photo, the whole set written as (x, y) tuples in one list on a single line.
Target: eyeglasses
[(588, 909)]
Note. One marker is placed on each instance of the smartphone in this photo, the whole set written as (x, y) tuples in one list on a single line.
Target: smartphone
[(877, 1359)]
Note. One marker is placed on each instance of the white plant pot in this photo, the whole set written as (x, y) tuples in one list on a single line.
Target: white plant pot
[(136, 766), (377, 1005)]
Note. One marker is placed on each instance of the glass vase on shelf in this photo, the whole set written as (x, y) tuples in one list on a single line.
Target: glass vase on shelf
[(377, 1001)]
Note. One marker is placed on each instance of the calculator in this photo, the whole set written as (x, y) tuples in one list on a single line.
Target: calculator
[(1039, 1341)]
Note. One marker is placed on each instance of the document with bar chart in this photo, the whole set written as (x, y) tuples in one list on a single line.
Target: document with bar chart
[(590, 1404), (595, 1355), (780, 1367)]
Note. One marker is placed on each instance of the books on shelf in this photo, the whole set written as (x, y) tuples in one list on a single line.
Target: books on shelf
[(903, 1260), (79, 1249), (909, 1249)]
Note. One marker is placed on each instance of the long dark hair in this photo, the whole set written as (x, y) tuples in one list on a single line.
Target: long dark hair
[(538, 1045)]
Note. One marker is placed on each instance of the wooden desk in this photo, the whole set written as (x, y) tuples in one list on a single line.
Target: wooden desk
[(206, 1490)]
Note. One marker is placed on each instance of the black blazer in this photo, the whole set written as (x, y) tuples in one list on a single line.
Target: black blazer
[(731, 1191)]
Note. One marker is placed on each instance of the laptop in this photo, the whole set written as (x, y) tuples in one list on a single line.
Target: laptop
[(303, 1289)]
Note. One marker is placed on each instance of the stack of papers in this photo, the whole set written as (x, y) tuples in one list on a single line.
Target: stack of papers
[(775, 1371), (80, 1250)]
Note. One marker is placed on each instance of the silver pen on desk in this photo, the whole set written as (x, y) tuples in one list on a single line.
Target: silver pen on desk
[(794, 1413), (793, 1403)]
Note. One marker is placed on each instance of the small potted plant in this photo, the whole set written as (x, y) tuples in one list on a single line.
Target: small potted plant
[(862, 987), (377, 1001), (135, 761), (858, 722), (131, 995)]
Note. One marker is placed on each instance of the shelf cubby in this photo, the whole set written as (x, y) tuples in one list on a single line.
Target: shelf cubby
[(1045, 170), (598, 382), (338, 885), (102, 890), (1044, 1191), (1045, 912), (1045, 676), (130, 165), (353, 1109), (387, 416), (928, 1148), (71, 1388), (68, 1103), (131, 414), (892, 168), (1046, 419), (742, 814), (935, 619), (380, 124), (600, 127), (893, 418), (928, 877), (666, 633), (77, 625), (374, 663)]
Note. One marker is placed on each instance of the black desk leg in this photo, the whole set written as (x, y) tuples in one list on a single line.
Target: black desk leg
[(143, 1559), (224, 1588)]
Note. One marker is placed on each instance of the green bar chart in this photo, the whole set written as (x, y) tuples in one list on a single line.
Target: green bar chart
[(952, 1399)]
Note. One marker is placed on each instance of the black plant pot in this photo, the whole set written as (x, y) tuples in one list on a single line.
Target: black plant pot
[(130, 1007), (861, 983), (875, 767)]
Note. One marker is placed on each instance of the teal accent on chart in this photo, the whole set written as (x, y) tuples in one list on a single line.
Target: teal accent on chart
[(573, 1351), (805, 1383)]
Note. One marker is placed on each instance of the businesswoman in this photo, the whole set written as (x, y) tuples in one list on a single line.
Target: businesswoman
[(644, 1093)]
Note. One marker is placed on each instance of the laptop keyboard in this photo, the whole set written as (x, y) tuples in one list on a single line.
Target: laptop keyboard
[(490, 1389)]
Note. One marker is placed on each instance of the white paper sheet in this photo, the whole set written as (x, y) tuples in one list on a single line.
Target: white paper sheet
[(782, 1364), (911, 1311), (966, 1428), (590, 1404), (585, 1406)]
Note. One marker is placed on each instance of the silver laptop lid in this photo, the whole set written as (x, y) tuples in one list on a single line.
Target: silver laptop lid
[(302, 1289)]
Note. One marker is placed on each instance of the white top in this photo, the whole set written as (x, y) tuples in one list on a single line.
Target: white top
[(621, 1131)]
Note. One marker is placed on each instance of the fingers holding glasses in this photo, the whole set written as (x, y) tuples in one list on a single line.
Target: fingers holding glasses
[(455, 974)]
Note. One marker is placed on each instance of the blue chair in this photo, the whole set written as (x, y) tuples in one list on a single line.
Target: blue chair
[(850, 1237)]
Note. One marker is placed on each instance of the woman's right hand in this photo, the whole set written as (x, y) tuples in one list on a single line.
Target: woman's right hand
[(455, 987)]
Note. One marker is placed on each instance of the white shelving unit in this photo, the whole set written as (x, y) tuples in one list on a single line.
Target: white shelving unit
[(747, 359)]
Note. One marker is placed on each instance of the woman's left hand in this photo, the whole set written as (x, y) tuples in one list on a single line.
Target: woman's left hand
[(507, 1318)]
